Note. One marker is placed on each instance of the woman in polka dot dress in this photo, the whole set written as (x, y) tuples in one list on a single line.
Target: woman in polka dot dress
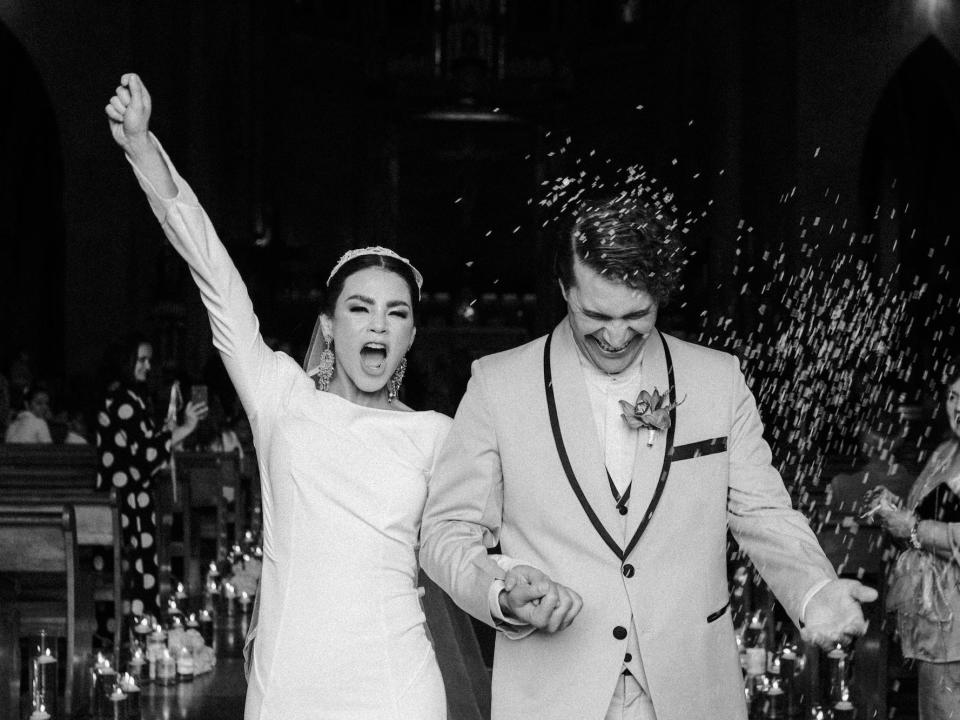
[(132, 450)]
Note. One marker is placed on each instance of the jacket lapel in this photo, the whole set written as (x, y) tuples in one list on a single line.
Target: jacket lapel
[(651, 466), (575, 434)]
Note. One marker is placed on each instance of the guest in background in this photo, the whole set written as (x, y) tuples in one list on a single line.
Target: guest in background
[(132, 450), (20, 373), (925, 579), (73, 427), (30, 425)]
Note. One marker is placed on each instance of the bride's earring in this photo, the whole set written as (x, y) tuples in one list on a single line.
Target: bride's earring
[(325, 368), (393, 386)]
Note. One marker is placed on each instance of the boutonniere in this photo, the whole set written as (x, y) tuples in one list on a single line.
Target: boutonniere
[(648, 411)]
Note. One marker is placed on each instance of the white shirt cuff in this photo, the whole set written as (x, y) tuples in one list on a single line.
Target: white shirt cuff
[(506, 564), (810, 593)]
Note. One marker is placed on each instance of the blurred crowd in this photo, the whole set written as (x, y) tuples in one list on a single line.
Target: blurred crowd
[(38, 407)]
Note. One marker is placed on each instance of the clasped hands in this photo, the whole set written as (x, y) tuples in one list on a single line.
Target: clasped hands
[(531, 597)]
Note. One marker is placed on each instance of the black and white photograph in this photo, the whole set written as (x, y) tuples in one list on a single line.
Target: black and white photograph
[(480, 360)]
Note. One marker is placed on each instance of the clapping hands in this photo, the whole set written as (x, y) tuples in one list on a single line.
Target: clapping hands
[(530, 596)]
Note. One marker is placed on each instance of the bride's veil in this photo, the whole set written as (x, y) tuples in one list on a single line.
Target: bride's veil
[(311, 360)]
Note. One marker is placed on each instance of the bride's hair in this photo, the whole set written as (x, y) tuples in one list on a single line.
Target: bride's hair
[(361, 262)]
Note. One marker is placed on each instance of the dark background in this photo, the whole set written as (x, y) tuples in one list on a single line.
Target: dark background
[(307, 127)]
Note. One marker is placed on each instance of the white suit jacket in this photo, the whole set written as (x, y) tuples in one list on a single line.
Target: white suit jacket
[(522, 466)]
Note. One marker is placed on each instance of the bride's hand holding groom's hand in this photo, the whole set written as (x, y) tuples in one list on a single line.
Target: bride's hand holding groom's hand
[(530, 596)]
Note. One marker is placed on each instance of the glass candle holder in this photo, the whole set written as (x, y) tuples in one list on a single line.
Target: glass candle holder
[(838, 662), (185, 667), (43, 671), (116, 705), (843, 710), (206, 626), (130, 687), (104, 687), (137, 667), (166, 669)]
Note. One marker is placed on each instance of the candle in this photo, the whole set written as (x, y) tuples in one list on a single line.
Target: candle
[(173, 609), (117, 705), (776, 701), (105, 684), (843, 710), (192, 623), (181, 593), (244, 602), (185, 666), (40, 714), (45, 678), (206, 626), (128, 683), (166, 669), (837, 661), (136, 664), (154, 653), (175, 638), (788, 663), (230, 594)]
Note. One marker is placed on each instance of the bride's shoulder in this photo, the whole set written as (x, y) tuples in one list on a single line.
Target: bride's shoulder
[(439, 422)]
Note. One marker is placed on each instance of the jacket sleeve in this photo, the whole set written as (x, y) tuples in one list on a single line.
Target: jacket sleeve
[(776, 537), (464, 507)]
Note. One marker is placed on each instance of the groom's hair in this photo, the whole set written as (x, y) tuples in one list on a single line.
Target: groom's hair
[(625, 239)]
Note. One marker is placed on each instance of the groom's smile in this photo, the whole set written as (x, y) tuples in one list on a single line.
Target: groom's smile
[(610, 320)]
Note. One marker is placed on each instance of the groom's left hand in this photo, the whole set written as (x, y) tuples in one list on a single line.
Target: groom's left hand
[(833, 614)]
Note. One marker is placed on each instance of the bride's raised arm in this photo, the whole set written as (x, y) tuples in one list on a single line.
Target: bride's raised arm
[(262, 378)]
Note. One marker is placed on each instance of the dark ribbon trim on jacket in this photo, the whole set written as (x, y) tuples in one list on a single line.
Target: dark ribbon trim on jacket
[(568, 468), (699, 449)]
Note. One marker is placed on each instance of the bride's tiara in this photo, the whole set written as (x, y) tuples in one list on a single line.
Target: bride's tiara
[(375, 250)]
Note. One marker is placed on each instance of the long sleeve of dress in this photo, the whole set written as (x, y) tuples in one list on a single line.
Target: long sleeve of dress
[(261, 377)]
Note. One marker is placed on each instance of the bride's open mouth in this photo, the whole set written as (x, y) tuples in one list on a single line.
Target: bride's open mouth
[(373, 356)]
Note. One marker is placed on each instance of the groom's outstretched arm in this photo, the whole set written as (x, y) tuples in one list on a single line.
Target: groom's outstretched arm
[(464, 508)]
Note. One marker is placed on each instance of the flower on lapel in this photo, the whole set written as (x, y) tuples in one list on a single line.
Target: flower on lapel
[(648, 411)]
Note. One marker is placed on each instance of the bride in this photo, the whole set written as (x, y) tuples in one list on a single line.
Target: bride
[(344, 466)]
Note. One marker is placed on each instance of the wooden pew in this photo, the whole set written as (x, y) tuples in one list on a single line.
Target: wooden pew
[(211, 480), (98, 525), (64, 467), (67, 474), (39, 543), (9, 660), (173, 503)]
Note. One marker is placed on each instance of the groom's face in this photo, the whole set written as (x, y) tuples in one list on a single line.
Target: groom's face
[(611, 321)]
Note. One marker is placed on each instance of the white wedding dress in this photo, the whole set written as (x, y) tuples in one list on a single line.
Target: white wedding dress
[(341, 628)]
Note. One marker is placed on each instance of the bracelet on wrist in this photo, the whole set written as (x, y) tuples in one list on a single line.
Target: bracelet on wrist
[(914, 536)]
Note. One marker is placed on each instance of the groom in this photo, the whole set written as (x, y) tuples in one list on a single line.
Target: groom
[(624, 506)]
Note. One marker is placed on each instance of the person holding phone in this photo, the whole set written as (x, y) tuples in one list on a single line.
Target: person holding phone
[(132, 450)]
